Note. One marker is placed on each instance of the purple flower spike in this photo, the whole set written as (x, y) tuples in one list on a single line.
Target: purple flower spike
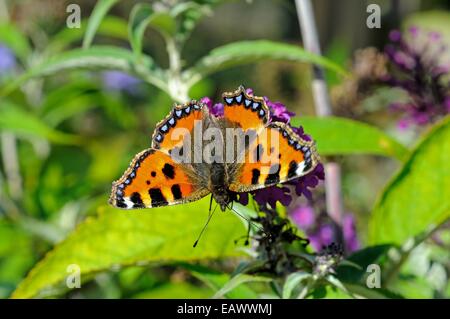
[(413, 31), (303, 216), (279, 112), (434, 36), (120, 81), (7, 60), (272, 195), (214, 109), (395, 35), (349, 232), (417, 69)]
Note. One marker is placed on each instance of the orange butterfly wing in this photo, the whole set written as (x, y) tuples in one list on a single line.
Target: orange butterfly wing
[(171, 132), (154, 179), (275, 156), (245, 111)]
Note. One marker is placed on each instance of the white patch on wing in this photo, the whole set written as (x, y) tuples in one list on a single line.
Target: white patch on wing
[(300, 168), (128, 202)]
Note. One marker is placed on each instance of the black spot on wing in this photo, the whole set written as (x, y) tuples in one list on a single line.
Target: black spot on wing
[(176, 191), (258, 152), (136, 200), (121, 204), (255, 175), (168, 171), (157, 197), (153, 174), (274, 177), (292, 169)]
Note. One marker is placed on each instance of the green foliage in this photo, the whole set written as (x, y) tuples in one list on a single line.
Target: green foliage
[(96, 57), (117, 238), (16, 120), (340, 136), (101, 9), (417, 198), (237, 281), (217, 280), (143, 15), (245, 52), (61, 208)]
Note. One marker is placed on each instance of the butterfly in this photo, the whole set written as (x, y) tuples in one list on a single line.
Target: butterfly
[(180, 168)]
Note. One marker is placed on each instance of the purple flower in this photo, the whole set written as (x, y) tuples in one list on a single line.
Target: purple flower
[(321, 231), (7, 59), (303, 216), (271, 195), (120, 81), (416, 68), (214, 109), (278, 112), (349, 232)]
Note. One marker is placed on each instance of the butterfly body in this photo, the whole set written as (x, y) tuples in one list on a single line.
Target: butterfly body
[(195, 153)]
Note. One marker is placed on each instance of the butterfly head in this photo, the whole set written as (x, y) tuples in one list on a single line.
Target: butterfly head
[(222, 196)]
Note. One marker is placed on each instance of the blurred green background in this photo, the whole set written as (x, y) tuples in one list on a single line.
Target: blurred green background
[(69, 127)]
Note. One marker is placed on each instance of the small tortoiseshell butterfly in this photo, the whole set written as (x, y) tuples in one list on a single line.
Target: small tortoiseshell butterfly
[(156, 177)]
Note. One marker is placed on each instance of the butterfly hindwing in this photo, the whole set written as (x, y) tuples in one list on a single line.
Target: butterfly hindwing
[(154, 179), (277, 155), (245, 111)]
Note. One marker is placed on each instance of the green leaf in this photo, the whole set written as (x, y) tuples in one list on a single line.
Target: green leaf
[(292, 281), (111, 26), (179, 290), (100, 10), (245, 52), (371, 293), (97, 57), (417, 198), (15, 119), (237, 281), (338, 284), (216, 280), (143, 15), (340, 136), (363, 258), (118, 238)]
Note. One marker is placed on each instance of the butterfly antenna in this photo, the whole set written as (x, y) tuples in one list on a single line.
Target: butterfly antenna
[(249, 221), (210, 215)]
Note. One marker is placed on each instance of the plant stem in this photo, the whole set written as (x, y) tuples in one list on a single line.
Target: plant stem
[(322, 105), (11, 164), (177, 88)]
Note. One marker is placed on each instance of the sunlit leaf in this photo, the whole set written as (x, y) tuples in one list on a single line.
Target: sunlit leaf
[(417, 198), (340, 136), (120, 238)]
